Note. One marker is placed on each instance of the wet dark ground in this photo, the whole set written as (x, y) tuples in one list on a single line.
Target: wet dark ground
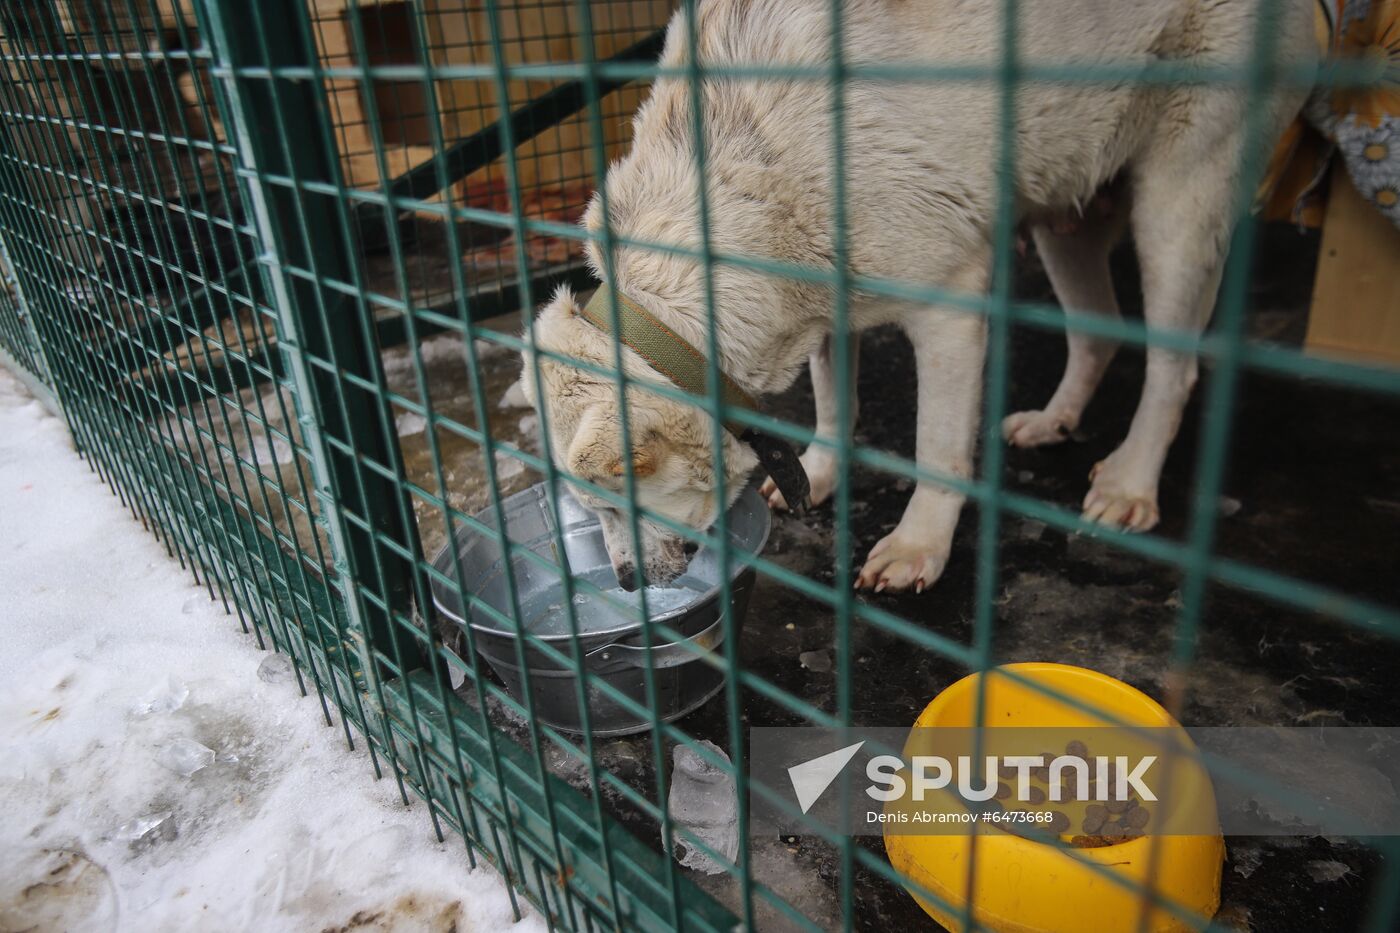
[(1312, 491)]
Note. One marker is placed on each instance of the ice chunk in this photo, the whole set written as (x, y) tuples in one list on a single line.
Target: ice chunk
[(276, 669), (703, 800), (147, 830), (507, 467), (1032, 530), (408, 423), (267, 450), (490, 349), (164, 697), (660, 599), (184, 756), (514, 397), (1329, 870)]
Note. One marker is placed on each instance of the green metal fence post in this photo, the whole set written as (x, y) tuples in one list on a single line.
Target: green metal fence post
[(340, 422)]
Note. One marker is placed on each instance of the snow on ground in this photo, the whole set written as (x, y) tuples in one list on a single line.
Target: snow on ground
[(150, 779)]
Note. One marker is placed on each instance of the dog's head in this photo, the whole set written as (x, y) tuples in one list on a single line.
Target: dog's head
[(671, 456)]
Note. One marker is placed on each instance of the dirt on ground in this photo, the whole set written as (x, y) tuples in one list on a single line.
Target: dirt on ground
[(1312, 490)]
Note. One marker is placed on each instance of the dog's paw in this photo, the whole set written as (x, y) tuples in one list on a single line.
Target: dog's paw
[(1036, 428), (1116, 501), (821, 478), (900, 563)]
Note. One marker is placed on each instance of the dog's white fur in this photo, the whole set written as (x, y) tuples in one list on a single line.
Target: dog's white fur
[(922, 189)]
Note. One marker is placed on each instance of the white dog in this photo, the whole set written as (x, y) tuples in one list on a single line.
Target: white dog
[(920, 161)]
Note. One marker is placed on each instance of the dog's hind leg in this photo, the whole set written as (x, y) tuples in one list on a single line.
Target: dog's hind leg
[(1182, 219), (819, 460), (1077, 264)]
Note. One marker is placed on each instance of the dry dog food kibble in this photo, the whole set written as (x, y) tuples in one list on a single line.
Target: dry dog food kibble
[(1090, 842), (1105, 823), (1094, 817)]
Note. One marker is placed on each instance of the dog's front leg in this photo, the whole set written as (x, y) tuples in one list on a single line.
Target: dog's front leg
[(819, 460), (948, 351)]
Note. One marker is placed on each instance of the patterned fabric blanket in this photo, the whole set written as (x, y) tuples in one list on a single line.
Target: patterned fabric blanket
[(1361, 124)]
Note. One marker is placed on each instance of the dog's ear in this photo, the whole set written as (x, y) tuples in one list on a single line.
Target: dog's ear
[(595, 453), (643, 462), (562, 305)]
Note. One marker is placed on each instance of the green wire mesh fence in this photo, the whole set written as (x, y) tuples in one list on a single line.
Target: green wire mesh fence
[(259, 252), (17, 338)]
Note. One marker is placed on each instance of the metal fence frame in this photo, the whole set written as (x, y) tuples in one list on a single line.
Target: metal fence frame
[(349, 612)]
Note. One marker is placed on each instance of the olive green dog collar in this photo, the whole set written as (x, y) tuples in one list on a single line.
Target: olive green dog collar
[(674, 357)]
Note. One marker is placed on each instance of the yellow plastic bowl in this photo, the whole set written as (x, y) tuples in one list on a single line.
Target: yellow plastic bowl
[(1024, 886)]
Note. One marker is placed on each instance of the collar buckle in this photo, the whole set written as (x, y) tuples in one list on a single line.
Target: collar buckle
[(778, 459)]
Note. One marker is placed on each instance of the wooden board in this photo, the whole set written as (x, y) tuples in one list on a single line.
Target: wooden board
[(539, 32), (1356, 298), (121, 27)]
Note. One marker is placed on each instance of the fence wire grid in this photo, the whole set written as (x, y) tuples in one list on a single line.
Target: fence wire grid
[(259, 255)]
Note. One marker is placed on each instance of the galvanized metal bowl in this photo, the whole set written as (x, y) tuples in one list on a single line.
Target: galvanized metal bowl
[(609, 624)]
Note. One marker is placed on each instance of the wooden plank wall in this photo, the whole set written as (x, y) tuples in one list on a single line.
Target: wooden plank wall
[(1356, 297), (533, 31), (538, 33)]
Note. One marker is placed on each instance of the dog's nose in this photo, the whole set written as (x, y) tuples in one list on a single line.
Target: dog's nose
[(627, 577)]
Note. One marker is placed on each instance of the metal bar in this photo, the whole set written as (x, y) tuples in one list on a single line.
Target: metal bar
[(175, 324), (316, 321), (393, 331)]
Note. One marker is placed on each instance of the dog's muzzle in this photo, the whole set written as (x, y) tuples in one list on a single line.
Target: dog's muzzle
[(674, 357)]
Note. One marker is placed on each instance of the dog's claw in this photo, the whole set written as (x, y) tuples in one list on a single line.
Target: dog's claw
[(897, 564), (1115, 502), (821, 477), (774, 498), (1037, 428)]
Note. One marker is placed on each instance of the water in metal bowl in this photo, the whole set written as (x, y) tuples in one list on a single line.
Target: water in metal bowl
[(608, 618)]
